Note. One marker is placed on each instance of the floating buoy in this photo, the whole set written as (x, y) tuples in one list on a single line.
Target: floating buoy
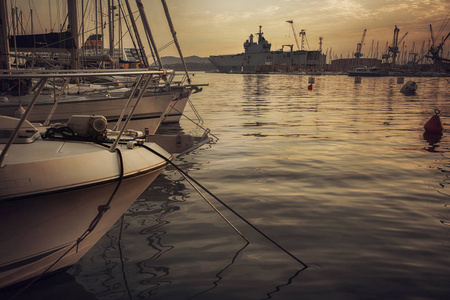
[(409, 88), (358, 79), (434, 124), (311, 79), (310, 87), (400, 80)]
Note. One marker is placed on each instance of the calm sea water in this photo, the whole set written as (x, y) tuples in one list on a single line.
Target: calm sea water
[(341, 176)]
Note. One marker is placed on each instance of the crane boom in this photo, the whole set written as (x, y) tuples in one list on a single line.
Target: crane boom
[(295, 33), (403, 37), (358, 53)]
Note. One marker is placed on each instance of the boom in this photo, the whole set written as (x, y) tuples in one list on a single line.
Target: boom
[(295, 33), (358, 53)]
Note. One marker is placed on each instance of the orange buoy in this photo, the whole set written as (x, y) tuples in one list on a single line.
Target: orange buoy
[(310, 87), (434, 124)]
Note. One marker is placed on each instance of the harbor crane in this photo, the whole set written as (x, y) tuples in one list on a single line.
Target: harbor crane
[(303, 34), (434, 51), (358, 53), (392, 51), (295, 33)]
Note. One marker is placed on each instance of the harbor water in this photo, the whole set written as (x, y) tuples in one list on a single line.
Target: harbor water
[(341, 176)]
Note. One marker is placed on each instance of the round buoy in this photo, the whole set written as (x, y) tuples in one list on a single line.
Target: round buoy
[(310, 87), (409, 88), (434, 124)]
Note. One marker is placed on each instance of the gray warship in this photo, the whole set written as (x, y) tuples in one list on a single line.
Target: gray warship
[(258, 58)]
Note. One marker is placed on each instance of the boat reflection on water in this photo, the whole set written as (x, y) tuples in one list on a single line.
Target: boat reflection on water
[(144, 258), (126, 257)]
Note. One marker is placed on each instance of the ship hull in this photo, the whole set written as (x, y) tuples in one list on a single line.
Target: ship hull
[(267, 61)]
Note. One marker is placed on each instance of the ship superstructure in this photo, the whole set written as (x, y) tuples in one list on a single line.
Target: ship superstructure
[(258, 57)]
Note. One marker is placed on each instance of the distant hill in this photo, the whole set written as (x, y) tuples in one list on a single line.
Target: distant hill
[(194, 63)]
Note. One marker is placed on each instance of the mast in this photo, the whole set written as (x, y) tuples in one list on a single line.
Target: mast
[(149, 32), (102, 31), (120, 32), (72, 9), (96, 27), (174, 34), (31, 18), (83, 46), (15, 25), (138, 37), (4, 40), (111, 31)]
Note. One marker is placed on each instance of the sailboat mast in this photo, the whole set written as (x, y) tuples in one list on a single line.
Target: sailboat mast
[(101, 29), (4, 40), (175, 39), (96, 27), (138, 37), (111, 31), (31, 22), (149, 32), (120, 31), (72, 9), (83, 51)]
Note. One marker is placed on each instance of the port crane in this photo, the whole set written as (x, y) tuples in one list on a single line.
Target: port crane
[(392, 51), (295, 33), (303, 34), (358, 53), (434, 51)]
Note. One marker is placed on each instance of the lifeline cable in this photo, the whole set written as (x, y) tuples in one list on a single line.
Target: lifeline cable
[(101, 210), (224, 204)]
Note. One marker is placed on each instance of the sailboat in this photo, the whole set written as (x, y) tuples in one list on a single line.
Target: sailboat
[(62, 186), (163, 102)]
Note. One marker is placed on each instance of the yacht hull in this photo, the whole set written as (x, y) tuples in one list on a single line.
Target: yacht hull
[(149, 114), (37, 231), (50, 193)]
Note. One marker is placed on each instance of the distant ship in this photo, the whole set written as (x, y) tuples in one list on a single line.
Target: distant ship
[(368, 71), (259, 58)]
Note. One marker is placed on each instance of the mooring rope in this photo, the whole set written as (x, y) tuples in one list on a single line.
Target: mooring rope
[(216, 210), (225, 205), (122, 262)]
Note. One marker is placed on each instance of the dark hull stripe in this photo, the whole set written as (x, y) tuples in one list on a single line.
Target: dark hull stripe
[(29, 196), (28, 261)]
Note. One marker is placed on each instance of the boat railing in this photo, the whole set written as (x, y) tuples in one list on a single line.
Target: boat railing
[(33, 73), (44, 76)]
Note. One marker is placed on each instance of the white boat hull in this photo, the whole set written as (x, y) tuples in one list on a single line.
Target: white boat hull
[(175, 111), (37, 231), (149, 113), (50, 192)]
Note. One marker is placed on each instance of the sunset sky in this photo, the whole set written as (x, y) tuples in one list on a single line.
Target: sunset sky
[(211, 27)]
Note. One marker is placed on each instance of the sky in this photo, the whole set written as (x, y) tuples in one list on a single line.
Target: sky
[(212, 27)]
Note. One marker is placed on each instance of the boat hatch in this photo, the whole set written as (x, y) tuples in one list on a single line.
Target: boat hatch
[(27, 134)]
